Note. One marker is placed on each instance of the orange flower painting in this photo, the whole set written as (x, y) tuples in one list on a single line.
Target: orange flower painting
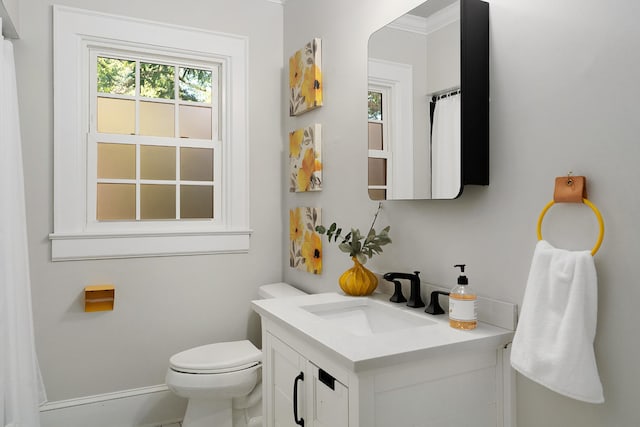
[(305, 78), (305, 246), (305, 160)]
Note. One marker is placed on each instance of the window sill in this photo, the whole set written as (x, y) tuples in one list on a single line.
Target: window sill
[(82, 246)]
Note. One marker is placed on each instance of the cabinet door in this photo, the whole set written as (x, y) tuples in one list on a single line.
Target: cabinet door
[(328, 399), (283, 366)]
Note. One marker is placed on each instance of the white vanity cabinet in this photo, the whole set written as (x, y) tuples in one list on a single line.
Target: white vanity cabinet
[(322, 401), (425, 376)]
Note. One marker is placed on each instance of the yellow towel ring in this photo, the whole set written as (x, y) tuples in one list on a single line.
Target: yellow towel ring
[(595, 211)]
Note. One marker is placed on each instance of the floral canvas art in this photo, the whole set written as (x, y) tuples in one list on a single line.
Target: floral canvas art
[(305, 160), (305, 244), (305, 79)]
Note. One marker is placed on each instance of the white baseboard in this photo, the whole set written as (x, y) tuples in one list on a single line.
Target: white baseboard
[(142, 407)]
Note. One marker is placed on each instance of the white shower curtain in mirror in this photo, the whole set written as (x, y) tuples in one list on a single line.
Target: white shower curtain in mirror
[(445, 149), (21, 388)]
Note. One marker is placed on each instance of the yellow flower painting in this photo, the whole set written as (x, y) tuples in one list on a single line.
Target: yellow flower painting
[(295, 142), (295, 69), (305, 247), (312, 252), (305, 78), (305, 159), (295, 225)]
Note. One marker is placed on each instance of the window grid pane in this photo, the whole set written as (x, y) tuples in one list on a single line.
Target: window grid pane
[(195, 84), (375, 105), (116, 76), (116, 202), (157, 80), (157, 201), (196, 201), (116, 115), (117, 161), (377, 171), (196, 164), (376, 140), (157, 163), (157, 119), (195, 122)]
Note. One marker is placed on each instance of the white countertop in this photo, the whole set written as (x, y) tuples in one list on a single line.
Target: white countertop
[(363, 352)]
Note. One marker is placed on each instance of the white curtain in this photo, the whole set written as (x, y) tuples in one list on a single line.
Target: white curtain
[(21, 388), (445, 149)]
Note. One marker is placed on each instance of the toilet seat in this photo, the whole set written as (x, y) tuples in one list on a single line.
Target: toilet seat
[(217, 358)]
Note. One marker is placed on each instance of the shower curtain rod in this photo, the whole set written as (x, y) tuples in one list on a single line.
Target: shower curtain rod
[(444, 93)]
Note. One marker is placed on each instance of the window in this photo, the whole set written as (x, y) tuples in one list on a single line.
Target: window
[(379, 141), (154, 137), (149, 157)]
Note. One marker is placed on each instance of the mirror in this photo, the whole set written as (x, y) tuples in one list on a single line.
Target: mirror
[(428, 102)]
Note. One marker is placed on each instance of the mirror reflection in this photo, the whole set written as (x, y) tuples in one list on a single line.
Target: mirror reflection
[(414, 105)]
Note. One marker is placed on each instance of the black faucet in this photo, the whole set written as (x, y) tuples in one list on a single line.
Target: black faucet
[(414, 300), (434, 305)]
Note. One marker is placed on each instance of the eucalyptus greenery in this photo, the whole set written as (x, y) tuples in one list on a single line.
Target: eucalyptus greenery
[(353, 244)]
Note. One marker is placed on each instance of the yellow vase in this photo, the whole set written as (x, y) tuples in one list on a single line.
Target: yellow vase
[(358, 281)]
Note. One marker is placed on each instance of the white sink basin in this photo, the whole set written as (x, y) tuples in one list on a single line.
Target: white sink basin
[(366, 317), (365, 333)]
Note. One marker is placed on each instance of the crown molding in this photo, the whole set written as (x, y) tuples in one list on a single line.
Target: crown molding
[(410, 23), (424, 26)]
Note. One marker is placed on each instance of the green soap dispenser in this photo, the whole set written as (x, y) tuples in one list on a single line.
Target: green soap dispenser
[(463, 304)]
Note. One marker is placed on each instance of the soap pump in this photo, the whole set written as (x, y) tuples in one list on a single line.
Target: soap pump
[(463, 310)]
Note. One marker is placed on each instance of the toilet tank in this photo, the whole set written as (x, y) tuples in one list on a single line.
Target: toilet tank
[(278, 290)]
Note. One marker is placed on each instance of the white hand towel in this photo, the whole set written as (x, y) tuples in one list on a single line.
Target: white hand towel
[(553, 343)]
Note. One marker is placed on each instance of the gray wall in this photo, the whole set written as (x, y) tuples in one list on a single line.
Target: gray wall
[(10, 18), (443, 53), (564, 96), (163, 305)]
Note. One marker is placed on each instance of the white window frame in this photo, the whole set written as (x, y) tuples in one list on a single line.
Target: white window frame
[(94, 137), (76, 234), (397, 79)]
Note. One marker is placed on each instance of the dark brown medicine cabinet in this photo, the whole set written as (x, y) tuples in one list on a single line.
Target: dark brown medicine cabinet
[(459, 65)]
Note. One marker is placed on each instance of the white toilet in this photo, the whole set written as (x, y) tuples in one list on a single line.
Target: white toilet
[(222, 380)]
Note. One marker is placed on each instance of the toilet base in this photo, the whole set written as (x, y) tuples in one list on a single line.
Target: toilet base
[(208, 413)]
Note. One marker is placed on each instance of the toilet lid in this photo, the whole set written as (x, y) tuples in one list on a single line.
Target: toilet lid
[(217, 358)]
